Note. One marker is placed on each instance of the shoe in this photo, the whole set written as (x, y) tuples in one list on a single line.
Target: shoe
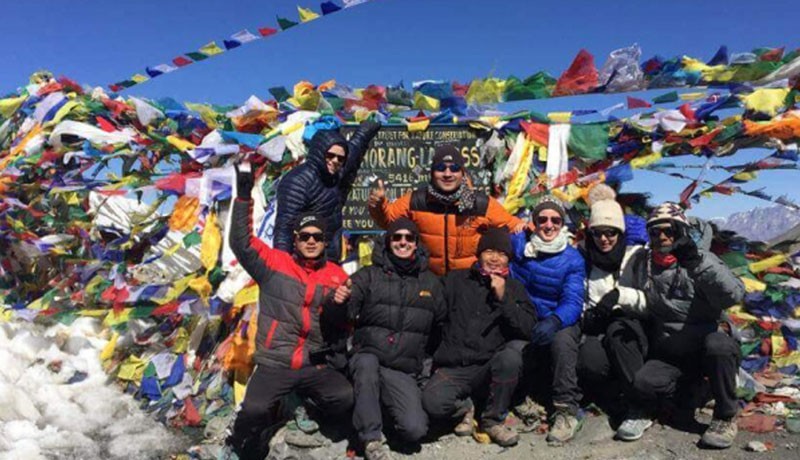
[(633, 427), (502, 435), (467, 424), (565, 425), (376, 450), (304, 422), (720, 434)]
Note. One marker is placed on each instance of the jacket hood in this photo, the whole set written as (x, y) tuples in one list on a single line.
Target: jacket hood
[(318, 146)]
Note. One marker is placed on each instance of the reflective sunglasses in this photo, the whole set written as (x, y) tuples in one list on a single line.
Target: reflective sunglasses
[(607, 232), (335, 156), (441, 167), (305, 236), (541, 220), (397, 237), (655, 232)]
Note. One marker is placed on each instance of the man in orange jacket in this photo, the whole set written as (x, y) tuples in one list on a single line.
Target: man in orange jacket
[(449, 214)]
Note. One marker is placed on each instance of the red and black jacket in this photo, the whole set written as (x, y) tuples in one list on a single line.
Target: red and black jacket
[(296, 313)]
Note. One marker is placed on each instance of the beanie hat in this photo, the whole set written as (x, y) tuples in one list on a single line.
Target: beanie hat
[(447, 154), (605, 211), (548, 202), (496, 239), (309, 220), (403, 223), (667, 212)]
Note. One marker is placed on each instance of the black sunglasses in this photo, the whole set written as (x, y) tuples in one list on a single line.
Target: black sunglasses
[(541, 220), (397, 237), (655, 232), (334, 156), (607, 232), (441, 167), (305, 236)]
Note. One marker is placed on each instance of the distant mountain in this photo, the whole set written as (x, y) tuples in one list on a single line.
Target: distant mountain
[(760, 224)]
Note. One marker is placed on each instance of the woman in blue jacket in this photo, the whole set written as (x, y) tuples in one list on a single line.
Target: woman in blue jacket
[(554, 273)]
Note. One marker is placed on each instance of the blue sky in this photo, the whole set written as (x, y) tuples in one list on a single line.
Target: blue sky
[(98, 42)]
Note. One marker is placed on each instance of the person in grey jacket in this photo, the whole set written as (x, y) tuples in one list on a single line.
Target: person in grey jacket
[(687, 290)]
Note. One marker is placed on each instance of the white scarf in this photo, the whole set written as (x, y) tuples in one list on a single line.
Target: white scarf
[(535, 245)]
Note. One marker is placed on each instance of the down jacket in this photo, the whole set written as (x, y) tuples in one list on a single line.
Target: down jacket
[(450, 236), (296, 315), (311, 188), (478, 325), (394, 314), (554, 282)]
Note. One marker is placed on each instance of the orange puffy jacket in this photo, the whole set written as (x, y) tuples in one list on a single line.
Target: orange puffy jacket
[(439, 223)]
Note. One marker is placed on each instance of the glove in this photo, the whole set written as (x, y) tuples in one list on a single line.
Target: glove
[(369, 128), (606, 305), (545, 331), (685, 249), (244, 180)]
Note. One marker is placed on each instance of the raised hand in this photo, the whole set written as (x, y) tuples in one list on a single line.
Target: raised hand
[(244, 179), (343, 292), (498, 285), (377, 195)]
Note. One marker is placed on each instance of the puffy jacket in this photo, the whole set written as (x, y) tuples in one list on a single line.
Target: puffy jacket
[(296, 313), (600, 282), (393, 314), (554, 282), (450, 236), (309, 187), (478, 325)]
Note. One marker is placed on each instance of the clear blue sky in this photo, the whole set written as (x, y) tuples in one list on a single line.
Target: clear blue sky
[(98, 42)]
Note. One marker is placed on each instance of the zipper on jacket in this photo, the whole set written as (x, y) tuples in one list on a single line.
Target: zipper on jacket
[(446, 243)]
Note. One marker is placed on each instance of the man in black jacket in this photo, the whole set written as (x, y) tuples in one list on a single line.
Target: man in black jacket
[(393, 303), (486, 311), (321, 185)]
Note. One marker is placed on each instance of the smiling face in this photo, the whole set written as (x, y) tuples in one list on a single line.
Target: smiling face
[(447, 177), (494, 261), (335, 158), (309, 242), (605, 238), (403, 244), (548, 225)]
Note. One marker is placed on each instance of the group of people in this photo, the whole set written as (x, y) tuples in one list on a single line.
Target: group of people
[(466, 308)]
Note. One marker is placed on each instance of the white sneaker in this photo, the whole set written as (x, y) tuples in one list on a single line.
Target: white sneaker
[(633, 428)]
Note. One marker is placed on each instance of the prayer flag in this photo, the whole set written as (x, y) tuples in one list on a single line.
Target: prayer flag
[(306, 15)]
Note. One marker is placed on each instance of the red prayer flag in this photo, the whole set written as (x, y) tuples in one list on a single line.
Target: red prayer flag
[(267, 31), (581, 77), (105, 125), (773, 55), (634, 103), (537, 132), (181, 61), (687, 111)]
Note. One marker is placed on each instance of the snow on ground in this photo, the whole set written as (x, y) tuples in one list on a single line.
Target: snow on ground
[(57, 402)]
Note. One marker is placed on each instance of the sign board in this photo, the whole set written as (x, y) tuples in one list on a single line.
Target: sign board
[(402, 159)]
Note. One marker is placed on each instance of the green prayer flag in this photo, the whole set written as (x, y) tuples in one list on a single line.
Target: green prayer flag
[(668, 97), (589, 141), (197, 56), (192, 239), (285, 23), (279, 93)]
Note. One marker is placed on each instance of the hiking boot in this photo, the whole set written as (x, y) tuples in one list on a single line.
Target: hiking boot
[(720, 434), (467, 424), (502, 435), (633, 427), (565, 425), (304, 422), (376, 450)]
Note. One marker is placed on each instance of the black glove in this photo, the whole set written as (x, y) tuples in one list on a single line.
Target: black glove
[(606, 305), (369, 128), (545, 331), (685, 249), (244, 181)]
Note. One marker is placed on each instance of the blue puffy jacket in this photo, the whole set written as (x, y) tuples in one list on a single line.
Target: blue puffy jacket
[(555, 282)]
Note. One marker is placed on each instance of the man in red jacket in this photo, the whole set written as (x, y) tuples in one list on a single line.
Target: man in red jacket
[(301, 326)]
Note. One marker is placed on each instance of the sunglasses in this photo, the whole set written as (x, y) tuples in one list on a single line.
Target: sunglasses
[(442, 167), (607, 232), (655, 232), (541, 220), (410, 237), (305, 236), (333, 156)]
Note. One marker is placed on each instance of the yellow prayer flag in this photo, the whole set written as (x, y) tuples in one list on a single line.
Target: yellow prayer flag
[(108, 350), (489, 91), (560, 117), (421, 125), (644, 161), (131, 369), (787, 360), (10, 105), (246, 296), (62, 112), (181, 343), (745, 175), (305, 96), (181, 144), (766, 100), (364, 253), (113, 318), (185, 214), (769, 262), (175, 290), (753, 285), (211, 49), (202, 287), (423, 102), (306, 14), (139, 78), (516, 185), (692, 96), (207, 114), (211, 242)]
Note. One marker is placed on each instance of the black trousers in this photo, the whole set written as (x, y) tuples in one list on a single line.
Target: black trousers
[(617, 354), (327, 390), (558, 363), (447, 394), (717, 356), (375, 386)]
